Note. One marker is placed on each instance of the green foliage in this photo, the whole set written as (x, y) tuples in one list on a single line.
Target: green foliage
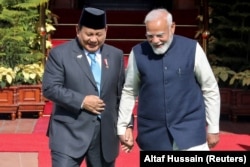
[(7, 76), (223, 75), (19, 38), (230, 31), (29, 74), (241, 79), (20, 43)]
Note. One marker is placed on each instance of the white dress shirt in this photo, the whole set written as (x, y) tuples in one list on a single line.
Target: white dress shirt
[(98, 57)]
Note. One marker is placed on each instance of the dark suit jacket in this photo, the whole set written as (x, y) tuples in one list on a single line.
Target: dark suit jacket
[(67, 80)]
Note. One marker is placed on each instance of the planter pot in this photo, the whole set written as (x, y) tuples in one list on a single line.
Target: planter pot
[(8, 101), (240, 103), (226, 99), (30, 99)]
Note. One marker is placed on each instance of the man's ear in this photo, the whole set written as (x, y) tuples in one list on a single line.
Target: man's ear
[(173, 27), (77, 29)]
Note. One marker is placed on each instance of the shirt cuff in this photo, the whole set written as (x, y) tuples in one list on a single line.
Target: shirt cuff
[(213, 129), (121, 130), (82, 105)]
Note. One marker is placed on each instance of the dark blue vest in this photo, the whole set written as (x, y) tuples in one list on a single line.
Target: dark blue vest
[(171, 105)]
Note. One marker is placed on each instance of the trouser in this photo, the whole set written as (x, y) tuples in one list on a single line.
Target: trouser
[(94, 157)]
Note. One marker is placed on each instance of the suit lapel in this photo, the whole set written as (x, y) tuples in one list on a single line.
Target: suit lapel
[(83, 63)]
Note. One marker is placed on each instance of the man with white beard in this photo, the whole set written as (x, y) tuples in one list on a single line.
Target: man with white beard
[(178, 96)]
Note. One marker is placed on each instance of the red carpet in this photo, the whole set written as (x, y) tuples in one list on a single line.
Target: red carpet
[(230, 142), (47, 108), (38, 142), (27, 143)]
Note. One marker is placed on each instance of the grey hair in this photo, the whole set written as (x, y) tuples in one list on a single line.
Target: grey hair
[(158, 13)]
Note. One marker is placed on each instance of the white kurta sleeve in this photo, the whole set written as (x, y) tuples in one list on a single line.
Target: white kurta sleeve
[(210, 89), (129, 95)]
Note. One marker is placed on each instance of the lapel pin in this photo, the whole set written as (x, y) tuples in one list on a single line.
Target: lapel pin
[(79, 56), (106, 63)]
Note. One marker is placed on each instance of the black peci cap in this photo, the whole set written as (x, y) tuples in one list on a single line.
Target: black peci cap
[(93, 18)]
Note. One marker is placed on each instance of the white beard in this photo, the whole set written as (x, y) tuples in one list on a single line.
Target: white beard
[(163, 48)]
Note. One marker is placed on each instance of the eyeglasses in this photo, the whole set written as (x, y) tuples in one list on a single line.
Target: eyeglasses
[(151, 36)]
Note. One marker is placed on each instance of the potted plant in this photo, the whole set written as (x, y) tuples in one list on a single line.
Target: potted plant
[(7, 94), (229, 40), (7, 76), (242, 79), (29, 74), (21, 50), (241, 94), (223, 75)]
